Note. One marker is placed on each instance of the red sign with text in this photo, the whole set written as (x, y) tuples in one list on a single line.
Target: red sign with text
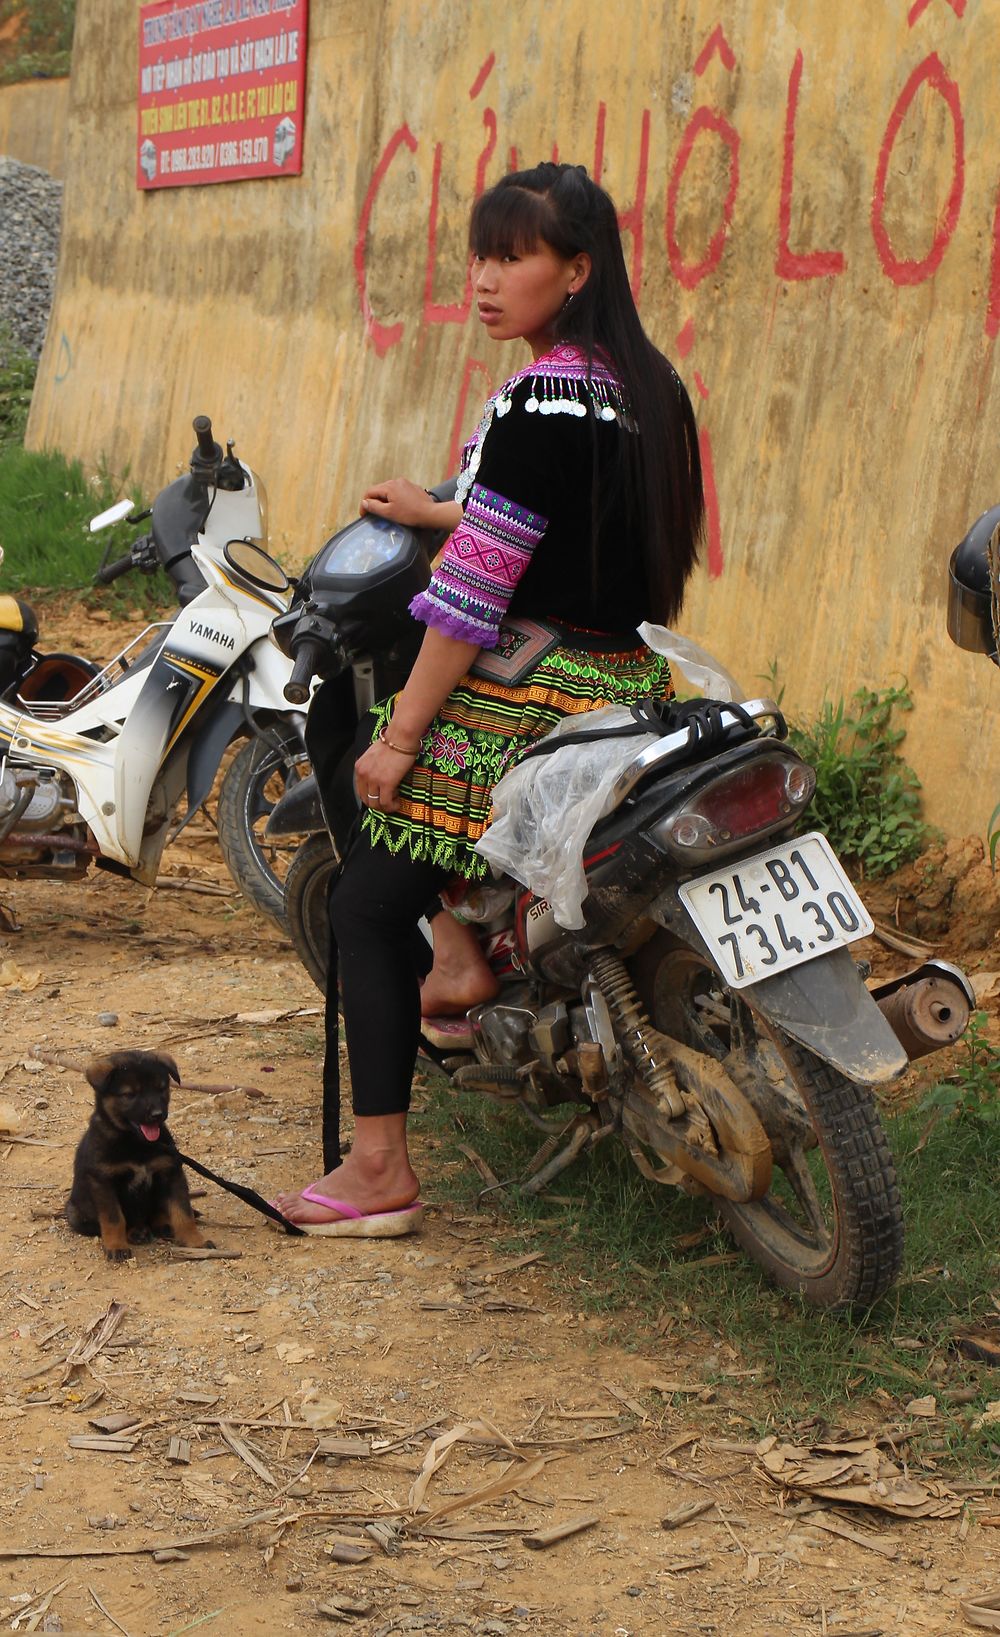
[(221, 90)]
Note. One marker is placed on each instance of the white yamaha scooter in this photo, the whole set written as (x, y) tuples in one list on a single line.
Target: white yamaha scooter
[(99, 778)]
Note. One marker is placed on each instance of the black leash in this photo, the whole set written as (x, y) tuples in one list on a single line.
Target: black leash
[(249, 1196)]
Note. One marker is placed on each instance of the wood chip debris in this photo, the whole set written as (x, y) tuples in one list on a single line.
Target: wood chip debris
[(833, 1526), (240, 1447), (344, 1608), (104, 1446), (97, 1334), (542, 1538), (345, 1449), (348, 1551), (686, 1512), (983, 1610)]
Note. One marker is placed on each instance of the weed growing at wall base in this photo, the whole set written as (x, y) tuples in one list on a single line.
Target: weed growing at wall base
[(17, 378), (867, 798)]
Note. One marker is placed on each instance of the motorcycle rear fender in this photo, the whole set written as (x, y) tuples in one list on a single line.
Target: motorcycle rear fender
[(822, 1004)]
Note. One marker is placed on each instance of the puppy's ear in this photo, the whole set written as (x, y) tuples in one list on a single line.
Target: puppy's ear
[(170, 1066), (99, 1072)]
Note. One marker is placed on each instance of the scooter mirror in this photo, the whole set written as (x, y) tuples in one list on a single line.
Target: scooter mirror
[(256, 565), (114, 514)]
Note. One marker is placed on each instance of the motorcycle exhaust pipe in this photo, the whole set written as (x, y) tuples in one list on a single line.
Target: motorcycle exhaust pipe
[(927, 1008)]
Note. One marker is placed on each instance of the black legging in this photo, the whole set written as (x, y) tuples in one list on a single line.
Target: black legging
[(376, 901)]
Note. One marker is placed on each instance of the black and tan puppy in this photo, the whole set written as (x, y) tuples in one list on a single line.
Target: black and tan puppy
[(128, 1184)]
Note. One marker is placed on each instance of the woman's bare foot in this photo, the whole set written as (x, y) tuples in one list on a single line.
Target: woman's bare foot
[(460, 976), (376, 1176)]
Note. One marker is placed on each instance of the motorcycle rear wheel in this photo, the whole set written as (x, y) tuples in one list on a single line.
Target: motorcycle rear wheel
[(256, 777), (830, 1226), (307, 887)]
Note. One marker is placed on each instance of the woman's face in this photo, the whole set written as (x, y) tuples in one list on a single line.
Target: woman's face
[(519, 295)]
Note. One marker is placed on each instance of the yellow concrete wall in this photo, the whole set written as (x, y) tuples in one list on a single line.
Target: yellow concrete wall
[(811, 205), (33, 123)]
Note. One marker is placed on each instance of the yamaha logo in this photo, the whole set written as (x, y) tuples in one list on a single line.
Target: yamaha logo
[(222, 638)]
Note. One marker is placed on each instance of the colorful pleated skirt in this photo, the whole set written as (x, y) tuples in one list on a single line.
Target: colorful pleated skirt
[(478, 735)]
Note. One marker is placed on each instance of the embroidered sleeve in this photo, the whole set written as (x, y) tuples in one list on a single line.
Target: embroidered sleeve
[(482, 563)]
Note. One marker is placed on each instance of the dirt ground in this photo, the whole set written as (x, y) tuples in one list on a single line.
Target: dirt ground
[(240, 1369)]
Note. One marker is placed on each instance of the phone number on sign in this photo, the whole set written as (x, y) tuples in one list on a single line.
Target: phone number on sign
[(248, 151), (189, 159)]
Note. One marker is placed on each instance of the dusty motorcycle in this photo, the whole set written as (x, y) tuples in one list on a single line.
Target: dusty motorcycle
[(708, 1011), (95, 762)]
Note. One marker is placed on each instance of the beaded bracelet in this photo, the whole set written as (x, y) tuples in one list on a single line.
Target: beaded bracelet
[(385, 740)]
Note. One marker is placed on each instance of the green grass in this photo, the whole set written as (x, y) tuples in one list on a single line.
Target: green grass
[(46, 503), (17, 378), (640, 1254), (45, 41)]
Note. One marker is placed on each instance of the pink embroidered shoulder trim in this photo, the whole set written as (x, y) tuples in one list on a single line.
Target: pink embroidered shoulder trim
[(561, 383)]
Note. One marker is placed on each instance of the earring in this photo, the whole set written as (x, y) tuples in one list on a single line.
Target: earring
[(569, 297)]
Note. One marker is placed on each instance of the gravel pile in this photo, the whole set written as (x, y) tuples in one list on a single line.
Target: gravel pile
[(30, 208)]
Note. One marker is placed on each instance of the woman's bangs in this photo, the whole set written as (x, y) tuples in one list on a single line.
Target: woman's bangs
[(507, 222)]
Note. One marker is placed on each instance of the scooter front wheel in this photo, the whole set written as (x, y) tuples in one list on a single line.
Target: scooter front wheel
[(254, 781), (830, 1227)]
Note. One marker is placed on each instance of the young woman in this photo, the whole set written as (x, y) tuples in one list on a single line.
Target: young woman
[(579, 505)]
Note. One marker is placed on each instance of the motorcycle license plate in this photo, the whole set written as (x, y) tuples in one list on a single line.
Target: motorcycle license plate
[(765, 914)]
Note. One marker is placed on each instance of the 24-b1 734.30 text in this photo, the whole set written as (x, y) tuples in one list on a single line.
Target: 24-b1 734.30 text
[(776, 910)]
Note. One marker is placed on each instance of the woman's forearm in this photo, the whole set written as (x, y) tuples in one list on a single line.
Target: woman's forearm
[(441, 662)]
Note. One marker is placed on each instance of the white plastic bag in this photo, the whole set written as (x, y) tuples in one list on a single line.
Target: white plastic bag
[(699, 667), (545, 808)]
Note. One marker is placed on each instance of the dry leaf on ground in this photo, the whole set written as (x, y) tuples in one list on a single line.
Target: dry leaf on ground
[(856, 1473)]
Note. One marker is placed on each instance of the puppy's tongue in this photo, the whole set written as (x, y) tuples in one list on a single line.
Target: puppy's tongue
[(150, 1132)]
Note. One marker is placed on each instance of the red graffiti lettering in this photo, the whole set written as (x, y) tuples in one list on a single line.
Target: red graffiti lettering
[(685, 338), (434, 312), (920, 6), (790, 264), (633, 220), (482, 76), (383, 336), (602, 115), (713, 519), (900, 270), (690, 274), (459, 429), (716, 42)]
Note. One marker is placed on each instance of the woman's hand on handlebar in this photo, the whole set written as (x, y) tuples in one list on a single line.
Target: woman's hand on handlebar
[(401, 501)]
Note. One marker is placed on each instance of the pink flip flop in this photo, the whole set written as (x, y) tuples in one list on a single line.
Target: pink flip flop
[(448, 1033), (355, 1224)]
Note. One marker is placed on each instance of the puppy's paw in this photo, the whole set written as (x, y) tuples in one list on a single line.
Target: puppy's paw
[(208, 1244), (118, 1255), (140, 1236)]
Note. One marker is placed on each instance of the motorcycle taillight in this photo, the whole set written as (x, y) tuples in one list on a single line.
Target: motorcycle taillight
[(760, 796)]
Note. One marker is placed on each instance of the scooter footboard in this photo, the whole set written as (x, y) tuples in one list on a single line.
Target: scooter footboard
[(824, 1006)]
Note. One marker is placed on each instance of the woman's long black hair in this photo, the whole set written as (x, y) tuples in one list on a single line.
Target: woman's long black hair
[(562, 206)]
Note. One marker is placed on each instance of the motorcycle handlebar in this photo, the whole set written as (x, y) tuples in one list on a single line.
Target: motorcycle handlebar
[(113, 571), (306, 665), (203, 432)]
